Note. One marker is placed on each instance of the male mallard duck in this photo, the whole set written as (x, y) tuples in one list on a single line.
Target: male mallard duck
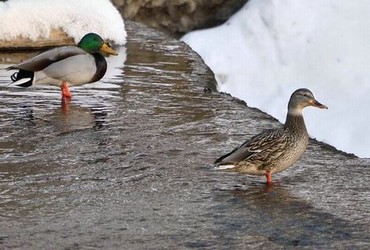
[(76, 65), (274, 150)]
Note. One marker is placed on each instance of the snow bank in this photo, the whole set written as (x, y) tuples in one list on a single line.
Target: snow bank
[(33, 19), (272, 47)]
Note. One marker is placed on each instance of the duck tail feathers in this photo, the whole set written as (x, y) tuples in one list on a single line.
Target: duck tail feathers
[(222, 159), (22, 78)]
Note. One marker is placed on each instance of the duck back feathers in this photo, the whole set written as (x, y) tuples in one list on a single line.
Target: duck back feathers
[(259, 149), (43, 60)]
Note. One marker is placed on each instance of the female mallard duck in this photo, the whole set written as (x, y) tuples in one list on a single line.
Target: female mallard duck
[(274, 150), (76, 65)]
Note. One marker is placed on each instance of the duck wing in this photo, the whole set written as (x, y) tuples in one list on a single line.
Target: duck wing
[(48, 57), (260, 149)]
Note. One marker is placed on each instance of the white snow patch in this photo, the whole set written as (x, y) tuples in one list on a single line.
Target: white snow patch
[(33, 19)]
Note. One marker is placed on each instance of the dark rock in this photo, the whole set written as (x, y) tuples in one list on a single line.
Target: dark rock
[(177, 17)]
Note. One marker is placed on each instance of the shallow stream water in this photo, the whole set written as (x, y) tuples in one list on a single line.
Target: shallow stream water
[(127, 165)]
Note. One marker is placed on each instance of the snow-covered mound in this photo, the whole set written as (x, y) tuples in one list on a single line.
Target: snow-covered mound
[(33, 19)]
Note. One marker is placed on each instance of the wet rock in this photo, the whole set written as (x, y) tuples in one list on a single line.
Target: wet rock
[(143, 178), (177, 17)]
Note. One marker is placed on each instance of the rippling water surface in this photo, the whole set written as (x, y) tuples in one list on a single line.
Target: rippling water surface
[(126, 164)]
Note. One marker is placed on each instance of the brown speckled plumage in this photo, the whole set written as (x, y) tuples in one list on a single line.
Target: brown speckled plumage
[(273, 150)]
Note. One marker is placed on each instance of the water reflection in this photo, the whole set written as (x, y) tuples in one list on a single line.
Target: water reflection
[(272, 217)]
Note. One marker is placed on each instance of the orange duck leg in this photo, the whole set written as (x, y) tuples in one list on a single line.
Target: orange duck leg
[(268, 178), (65, 90)]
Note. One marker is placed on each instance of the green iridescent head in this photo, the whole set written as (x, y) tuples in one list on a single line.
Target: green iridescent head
[(93, 43)]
